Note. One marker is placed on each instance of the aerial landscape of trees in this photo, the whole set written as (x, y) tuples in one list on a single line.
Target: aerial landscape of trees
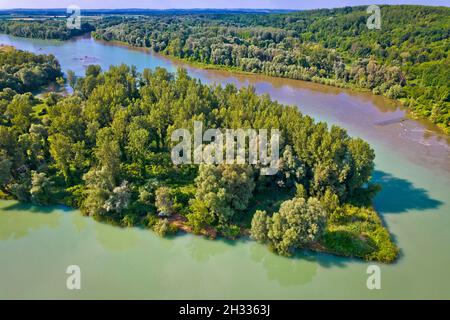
[(23, 71), (408, 59), (42, 29), (105, 149)]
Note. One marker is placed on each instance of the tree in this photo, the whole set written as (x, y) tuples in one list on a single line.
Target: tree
[(200, 216), (162, 227), (97, 192), (291, 170), (119, 199), (32, 146), (225, 189), (51, 99), (300, 191), (258, 230), (66, 118), (5, 168), (40, 188), (297, 224), (307, 46), (93, 70), (60, 81), (20, 188), (116, 126), (19, 112), (164, 201), (23, 71), (361, 165), (330, 201), (137, 145), (107, 152), (62, 153), (71, 79)]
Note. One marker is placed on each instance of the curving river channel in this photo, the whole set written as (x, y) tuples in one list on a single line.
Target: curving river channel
[(412, 164)]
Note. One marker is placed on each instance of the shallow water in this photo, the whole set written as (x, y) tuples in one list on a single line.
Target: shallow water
[(412, 164)]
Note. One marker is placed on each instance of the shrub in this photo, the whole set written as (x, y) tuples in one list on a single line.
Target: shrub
[(297, 224), (164, 201), (164, 228), (229, 231), (200, 216)]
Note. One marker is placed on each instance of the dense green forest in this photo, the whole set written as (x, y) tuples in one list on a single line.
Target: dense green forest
[(23, 71), (106, 150), (42, 29), (407, 59)]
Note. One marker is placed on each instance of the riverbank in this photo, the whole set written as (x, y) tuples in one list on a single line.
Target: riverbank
[(233, 71), (340, 238), (410, 114)]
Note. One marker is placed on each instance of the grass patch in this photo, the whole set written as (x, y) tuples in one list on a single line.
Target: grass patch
[(359, 232)]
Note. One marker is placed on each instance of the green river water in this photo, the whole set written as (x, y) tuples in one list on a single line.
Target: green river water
[(413, 166)]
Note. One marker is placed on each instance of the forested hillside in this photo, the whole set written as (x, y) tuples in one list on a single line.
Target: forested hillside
[(407, 59), (106, 150)]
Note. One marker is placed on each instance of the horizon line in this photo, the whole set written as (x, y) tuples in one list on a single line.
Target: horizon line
[(237, 9)]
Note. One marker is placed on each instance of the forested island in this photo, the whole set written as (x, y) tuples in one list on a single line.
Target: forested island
[(105, 149), (408, 59)]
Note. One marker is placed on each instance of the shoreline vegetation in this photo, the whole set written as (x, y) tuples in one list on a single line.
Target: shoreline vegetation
[(200, 65), (407, 60), (409, 114), (219, 67), (105, 149)]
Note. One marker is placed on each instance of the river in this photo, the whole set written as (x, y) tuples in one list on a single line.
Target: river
[(412, 164)]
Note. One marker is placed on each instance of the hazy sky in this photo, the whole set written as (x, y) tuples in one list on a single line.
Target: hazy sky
[(165, 4)]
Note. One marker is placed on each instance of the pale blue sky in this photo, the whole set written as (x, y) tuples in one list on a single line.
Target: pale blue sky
[(176, 4)]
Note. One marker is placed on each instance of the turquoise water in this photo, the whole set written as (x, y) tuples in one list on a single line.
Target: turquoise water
[(412, 164)]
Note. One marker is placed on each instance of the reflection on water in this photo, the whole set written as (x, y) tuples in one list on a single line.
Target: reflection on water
[(115, 240), (198, 253), (297, 270), (79, 222), (17, 220)]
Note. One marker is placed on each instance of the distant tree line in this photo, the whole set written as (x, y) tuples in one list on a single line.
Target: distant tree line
[(407, 59), (43, 29)]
